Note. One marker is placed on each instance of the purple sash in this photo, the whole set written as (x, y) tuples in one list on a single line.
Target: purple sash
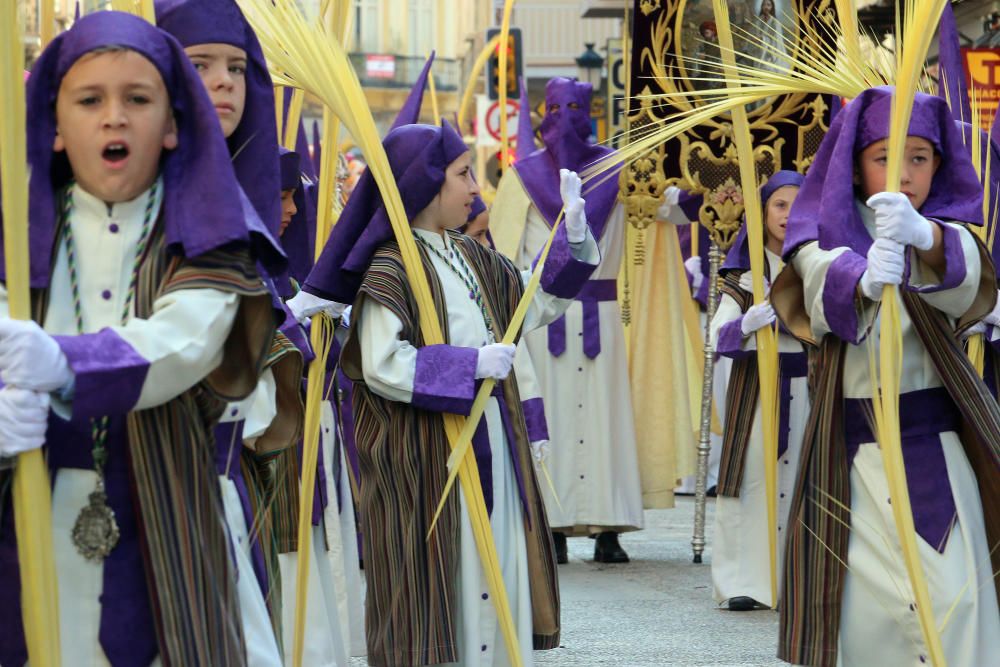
[(924, 415), (593, 292)]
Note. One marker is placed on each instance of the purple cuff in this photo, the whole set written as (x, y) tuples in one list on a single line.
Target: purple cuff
[(297, 334), (954, 262), (534, 417), (730, 343), (109, 373), (445, 379), (564, 275), (840, 295)]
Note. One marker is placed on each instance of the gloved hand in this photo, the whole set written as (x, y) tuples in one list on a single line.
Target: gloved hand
[(993, 318), (574, 214), (977, 328), (746, 284), (757, 317), (896, 219), (885, 267), (345, 317), (495, 361), (31, 358), (693, 267), (540, 450), (24, 418), (305, 305), (671, 197)]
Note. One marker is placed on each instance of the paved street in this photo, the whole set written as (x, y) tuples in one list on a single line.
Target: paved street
[(658, 610)]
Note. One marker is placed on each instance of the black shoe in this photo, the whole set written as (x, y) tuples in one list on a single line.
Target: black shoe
[(742, 603), (712, 492), (559, 539), (607, 549)]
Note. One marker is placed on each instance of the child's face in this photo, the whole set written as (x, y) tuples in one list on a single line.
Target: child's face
[(776, 213), (478, 227), (457, 193), (223, 70), (919, 164), (288, 209), (113, 119)]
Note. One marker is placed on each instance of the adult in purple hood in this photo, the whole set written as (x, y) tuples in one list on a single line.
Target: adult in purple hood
[(594, 460)]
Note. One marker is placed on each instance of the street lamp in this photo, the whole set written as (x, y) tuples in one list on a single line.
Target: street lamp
[(590, 64)]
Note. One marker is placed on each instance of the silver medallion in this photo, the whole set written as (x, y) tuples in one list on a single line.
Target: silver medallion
[(95, 532)]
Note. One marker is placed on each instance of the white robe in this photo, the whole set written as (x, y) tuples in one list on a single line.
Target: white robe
[(182, 341), (878, 626), (389, 367), (588, 404), (740, 553)]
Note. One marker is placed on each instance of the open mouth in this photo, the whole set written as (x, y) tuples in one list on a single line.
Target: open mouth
[(115, 153)]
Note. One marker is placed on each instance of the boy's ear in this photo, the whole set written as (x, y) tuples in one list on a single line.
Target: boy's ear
[(170, 137), (58, 145)]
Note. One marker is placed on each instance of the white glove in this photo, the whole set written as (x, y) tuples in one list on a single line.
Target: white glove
[(31, 358), (305, 305), (693, 267), (977, 328), (345, 317), (757, 317), (671, 197), (24, 418), (885, 267), (495, 361), (540, 450), (896, 219), (993, 318), (746, 284), (575, 216)]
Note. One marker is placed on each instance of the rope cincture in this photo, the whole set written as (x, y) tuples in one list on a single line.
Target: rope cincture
[(99, 426)]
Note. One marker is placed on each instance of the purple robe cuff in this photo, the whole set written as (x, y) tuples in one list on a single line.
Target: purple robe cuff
[(730, 343), (445, 379), (954, 263), (109, 373), (841, 295), (564, 275), (297, 334), (534, 417)]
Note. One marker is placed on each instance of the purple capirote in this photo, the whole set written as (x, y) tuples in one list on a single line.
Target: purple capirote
[(201, 201), (738, 257), (565, 133), (825, 209), (418, 156)]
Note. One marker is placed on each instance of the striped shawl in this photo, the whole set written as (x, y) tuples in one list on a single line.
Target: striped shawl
[(412, 596), (741, 404)]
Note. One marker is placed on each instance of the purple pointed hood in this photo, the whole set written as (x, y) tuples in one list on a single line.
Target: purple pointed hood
[(299, 239), (254, 144), (825, 207), (418, 156), (409, 114), (565, 133), (738, 257), (201, 206), (951, 81)]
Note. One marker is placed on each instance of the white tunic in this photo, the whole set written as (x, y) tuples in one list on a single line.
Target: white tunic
[(182, 341), (878, 625), (389, 366), (588, 404), (740, 553)]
